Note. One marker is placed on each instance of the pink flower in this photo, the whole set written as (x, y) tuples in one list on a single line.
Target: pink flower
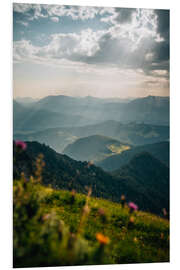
[(20, 144), (132, 206)]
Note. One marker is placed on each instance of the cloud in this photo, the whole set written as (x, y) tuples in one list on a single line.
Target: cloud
[(134, 39), (54, 19), (95, 48), (71, 46), (44, 11), (23, 51), (163, 23), (109, 15)]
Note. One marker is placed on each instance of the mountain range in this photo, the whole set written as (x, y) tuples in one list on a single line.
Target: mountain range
[(130, 133), (80, 111)]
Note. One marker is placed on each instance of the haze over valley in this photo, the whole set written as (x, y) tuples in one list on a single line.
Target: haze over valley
[(59, 121)]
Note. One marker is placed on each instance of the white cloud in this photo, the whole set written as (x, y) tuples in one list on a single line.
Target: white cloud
[(126, 45), (54, 19), (75, 12), (43, 11), (24, 51), (69, 46), (143, 25)]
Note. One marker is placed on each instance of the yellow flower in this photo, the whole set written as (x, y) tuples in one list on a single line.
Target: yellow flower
[(131, 219), (45, 217), (135, 239), (102, 239)]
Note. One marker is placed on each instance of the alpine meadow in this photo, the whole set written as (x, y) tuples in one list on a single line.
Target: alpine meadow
[(91, 131)]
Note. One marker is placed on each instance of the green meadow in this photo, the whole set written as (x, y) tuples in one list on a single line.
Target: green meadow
[(58, 227)]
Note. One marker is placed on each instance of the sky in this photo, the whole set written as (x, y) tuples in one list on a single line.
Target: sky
[(89, 51)]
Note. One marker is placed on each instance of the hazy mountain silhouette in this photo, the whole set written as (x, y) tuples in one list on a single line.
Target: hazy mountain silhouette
[(79, 111)]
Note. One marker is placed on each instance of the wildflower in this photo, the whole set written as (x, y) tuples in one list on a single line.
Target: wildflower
[(164, 212), (131, 222), (102, 239), (131, 219), (45, 217), (73, 192), (123, 199), (21, 145), (135, 239), (132, 206), (101, 212), (102, 215)]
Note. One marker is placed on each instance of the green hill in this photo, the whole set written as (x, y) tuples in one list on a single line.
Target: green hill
[(158, 150), (95, 148), (62, 172), (149, 176), (53, 228)]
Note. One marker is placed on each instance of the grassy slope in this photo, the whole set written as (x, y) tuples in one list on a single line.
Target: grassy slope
[(39, 239), (95, 147)]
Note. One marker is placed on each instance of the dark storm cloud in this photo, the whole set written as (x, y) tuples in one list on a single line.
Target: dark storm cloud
[(163, 23), (111, 51), (119, 50), (162, 48)]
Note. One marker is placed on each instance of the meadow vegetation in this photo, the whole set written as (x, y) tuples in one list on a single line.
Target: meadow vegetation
[(58, 227)]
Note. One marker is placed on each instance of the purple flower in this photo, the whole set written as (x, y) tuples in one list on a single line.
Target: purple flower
[(132, 206), (20, 144)]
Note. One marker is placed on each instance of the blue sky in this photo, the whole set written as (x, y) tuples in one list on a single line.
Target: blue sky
[(80, 51)]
